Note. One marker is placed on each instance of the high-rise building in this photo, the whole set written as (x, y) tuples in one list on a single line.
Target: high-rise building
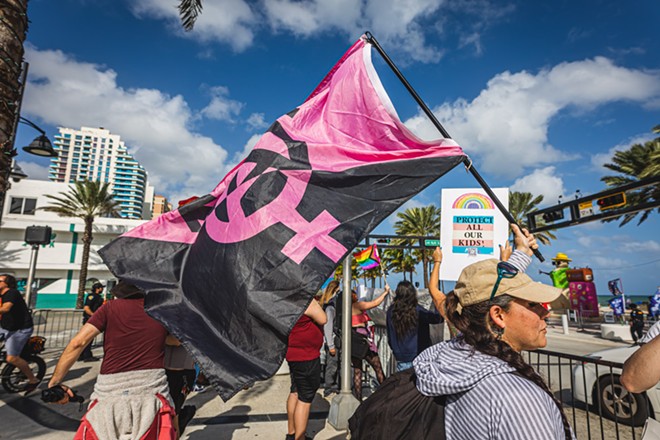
[(161, 206), (96, 154)]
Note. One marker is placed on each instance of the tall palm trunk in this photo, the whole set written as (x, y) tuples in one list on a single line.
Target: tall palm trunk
[(425, 266), (13, 27), (87, 244)]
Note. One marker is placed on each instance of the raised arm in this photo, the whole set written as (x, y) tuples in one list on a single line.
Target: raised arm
[(436, 294), (315, 311), (368, 305), (642, 370)]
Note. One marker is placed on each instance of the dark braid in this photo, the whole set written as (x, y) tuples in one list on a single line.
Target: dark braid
[(477, 330)]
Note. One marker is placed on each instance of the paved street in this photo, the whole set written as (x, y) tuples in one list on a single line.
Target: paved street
[(258, 413)]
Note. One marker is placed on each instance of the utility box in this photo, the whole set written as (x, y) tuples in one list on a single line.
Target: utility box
[(38, 234)]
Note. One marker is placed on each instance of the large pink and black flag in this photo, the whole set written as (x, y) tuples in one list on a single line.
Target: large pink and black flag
[(230, 273)]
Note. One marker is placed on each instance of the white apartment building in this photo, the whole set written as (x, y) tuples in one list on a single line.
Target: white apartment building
[(58, 263), (96, 154)]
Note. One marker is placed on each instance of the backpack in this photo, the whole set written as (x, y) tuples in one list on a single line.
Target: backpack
[(397, 410), (336, 303)]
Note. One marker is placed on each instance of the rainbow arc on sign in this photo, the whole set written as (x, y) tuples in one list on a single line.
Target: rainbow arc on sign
[(473, 201), (368, 258)]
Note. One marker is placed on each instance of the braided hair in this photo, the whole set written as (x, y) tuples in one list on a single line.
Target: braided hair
[(477, 330), (404, 309)]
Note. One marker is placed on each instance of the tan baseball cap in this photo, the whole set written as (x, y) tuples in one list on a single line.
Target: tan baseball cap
[(475, 284)]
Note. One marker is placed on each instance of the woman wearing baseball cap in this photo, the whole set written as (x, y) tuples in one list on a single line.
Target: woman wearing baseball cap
[(491, 391)]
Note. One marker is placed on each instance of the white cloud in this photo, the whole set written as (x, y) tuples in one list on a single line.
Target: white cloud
[(222, 108), (507, 124), (599, 160), (226, 21), (154, 125), (401, 25), (257, 121), (624, 243), (34, 170), (640, 246), (247, 148), (541, 182), (607, 263)]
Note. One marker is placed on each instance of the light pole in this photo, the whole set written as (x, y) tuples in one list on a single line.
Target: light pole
[(344, 404), (40, 146), (35, 236)]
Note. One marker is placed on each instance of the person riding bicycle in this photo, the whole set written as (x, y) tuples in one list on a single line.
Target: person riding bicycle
[(16, 327)]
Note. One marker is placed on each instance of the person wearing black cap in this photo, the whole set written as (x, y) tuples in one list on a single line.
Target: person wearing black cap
[(93, 301)]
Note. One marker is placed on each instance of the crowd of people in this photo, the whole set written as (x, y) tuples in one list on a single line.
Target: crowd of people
[(495, 312)]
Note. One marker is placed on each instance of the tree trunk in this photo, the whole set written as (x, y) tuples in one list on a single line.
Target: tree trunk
[(87, 243), (425, 266), (13, 28)]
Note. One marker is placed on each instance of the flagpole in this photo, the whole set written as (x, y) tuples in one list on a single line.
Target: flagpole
[(380, 263), (468, 163)]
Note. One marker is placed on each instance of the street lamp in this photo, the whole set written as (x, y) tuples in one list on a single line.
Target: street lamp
[(40, 146), (17, 174)]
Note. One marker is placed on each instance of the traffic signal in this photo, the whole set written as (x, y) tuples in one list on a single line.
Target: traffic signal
[(611, 201), (553, 216), (383, 240)]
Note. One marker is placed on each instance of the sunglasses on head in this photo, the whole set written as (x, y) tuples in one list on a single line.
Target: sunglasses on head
[(504, 270)]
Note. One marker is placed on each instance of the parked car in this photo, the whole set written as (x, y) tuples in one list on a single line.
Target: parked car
[(598, 386)]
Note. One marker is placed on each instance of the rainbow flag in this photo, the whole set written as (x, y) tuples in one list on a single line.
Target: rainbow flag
[(368, 258)]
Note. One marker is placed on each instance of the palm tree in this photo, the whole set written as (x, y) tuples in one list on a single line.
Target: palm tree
[(399, 261), (633, 164), (425, 222), (521, 204), (13, 29), (86, 200)]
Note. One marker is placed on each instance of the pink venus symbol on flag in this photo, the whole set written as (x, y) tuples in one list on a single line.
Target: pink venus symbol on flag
[(230, 273)]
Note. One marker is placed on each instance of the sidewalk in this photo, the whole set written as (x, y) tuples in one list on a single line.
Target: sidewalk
[(258, 413)]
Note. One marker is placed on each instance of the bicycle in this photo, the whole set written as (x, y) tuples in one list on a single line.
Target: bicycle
[(13, 380)]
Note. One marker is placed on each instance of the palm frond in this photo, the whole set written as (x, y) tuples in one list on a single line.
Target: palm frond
[(189, 10), (637, 162)]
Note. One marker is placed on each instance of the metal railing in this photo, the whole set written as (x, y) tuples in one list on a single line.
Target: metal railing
[(58, 326), (595, 403)]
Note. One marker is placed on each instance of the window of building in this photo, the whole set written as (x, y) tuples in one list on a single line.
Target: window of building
[(21, 205)]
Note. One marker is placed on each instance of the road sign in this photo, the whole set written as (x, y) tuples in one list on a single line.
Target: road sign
[(586, 208), (431, 242)]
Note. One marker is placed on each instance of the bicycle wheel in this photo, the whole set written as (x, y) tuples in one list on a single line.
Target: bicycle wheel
[(14, 381)]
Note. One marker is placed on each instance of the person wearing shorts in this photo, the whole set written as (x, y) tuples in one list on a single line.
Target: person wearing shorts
[(16, 327), (303, 356), (180, 371)]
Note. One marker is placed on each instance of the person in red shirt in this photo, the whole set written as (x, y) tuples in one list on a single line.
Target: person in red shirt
[(303, 356), (131, 396)]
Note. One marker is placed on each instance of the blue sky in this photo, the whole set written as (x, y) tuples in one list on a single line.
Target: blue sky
[(539, 94)]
